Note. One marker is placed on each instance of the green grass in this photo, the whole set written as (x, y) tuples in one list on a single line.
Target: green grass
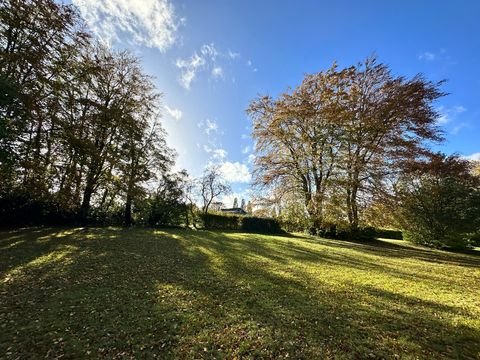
[(114, 293)]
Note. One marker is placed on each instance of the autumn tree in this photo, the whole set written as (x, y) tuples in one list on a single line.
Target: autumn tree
[(388, 121), (298, 137), (211, 186), (340, 133)]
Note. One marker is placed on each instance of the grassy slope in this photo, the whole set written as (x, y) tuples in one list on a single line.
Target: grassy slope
[(184, 294)]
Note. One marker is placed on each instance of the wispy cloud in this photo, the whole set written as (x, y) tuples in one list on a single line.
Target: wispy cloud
[(219, 154), (251, 159), (174, 113), (456, 129), (233, 55), (205, 59), (217, 72), (216, 153), (427, 56), (246, 149), (449, 114), (152, 23), (474, 156), (208, 126), (189, 69)]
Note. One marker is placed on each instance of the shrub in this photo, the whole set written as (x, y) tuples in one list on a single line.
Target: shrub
[(19, 208), (341, 232), (474, 238), (389, 234), (441, 213)]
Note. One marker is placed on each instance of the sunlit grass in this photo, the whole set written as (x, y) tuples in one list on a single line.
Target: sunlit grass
[(116, 293)]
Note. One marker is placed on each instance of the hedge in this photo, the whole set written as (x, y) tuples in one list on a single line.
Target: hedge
[(389, 234), (241, 223), (260, 225)]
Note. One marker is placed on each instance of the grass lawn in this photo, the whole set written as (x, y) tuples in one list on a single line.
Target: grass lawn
[(115, 293)]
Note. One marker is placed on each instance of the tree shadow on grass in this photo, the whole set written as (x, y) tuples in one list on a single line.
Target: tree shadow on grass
[(322, 320), (397, 250), (186, 294)]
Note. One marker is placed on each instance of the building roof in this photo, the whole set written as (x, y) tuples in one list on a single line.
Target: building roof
[(234, 210)]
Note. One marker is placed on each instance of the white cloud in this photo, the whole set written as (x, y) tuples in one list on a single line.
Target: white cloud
[(444, 118), (152, 23), (249, 63), (209, 51), (246, 149), (251, 158), (205, 59), (427, 56), (448, 115), (458, 127), (245, 136), (219, 154), (189, 69), (235, 172), (233, 55), (474, 156), (174, 113), (217, 72), (210, 125)]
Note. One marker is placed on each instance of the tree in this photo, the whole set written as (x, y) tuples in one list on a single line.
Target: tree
[(343, 132), (212, 185), (388, 121), (242, 206), (38, 41), (79, 123), (249, 208), (298, 138), (440, 203), (235, 203), (166, 205)]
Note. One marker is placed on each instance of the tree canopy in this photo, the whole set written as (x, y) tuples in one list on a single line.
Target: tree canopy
[(339, 135)]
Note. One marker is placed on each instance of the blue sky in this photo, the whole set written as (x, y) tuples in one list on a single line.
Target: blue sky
[(211, 58)]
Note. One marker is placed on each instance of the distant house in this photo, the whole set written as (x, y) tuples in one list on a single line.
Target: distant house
[(217, 206), (236, 211)]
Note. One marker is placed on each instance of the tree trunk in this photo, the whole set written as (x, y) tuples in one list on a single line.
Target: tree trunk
[(352, 208), (87, 197), (128, 211), (85, 207)]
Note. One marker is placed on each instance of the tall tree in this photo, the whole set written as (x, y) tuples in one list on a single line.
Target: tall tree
[(38, 39), (235, 203), (298, 138), (342, 130), (388, 121)]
